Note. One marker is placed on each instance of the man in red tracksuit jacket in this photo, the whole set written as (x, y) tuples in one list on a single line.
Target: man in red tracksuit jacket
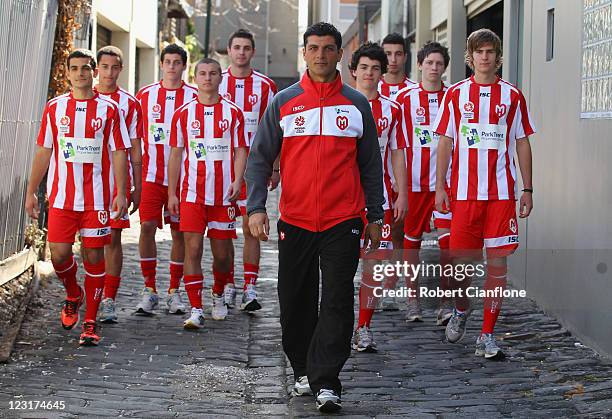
[(330, 170)]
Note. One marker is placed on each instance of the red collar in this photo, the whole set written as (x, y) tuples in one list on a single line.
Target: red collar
[(321, 89)]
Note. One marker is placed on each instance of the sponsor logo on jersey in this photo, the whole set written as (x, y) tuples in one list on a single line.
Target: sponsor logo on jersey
[(78, 109), (223, 125), (468, 107), (253, 98), (471, 135), (156, 108), (198, 149), (420, 111), (423, 135), (65, 120), (195, 124), (298, 108), (299, 121), (339, 111), (66, 148), (342, 122), (158, 133)]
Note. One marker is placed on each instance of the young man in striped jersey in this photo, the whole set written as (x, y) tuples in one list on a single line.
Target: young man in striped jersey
[(394, 80), (368, 63), (209, 151), (110, 65), (252, 92), (420, 104), (482, 123), (80, 134), (158, 102)]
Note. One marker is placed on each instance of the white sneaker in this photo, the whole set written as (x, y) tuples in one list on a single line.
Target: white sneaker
[(108, 313), (149, 302), (363, 340), (174, 302), (301, 386), (219, 308), (328, 401), (249, 299), (229, 295), (196, 320)]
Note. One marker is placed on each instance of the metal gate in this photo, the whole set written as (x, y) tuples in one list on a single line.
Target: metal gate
[(27, 30)]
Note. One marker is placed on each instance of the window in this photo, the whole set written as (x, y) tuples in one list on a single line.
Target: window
[(550, 35)]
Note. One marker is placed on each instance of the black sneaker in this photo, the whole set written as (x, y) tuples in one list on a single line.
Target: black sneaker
[(328, 401)]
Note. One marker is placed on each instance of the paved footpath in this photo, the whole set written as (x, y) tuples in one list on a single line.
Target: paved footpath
[(151, 367)]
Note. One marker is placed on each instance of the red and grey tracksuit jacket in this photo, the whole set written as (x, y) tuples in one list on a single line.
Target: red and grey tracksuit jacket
[(329, 156)]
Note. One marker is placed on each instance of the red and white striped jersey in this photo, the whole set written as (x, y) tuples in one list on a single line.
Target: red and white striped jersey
[(388, 118), (420, 108), (252, 94), (484, 122), (158, 105), (82, 134), (391, 90), (132, 115), (209, 135)]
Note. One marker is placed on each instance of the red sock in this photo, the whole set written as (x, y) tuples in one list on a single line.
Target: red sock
[(444, 242), (176, 273), (193, 286), (411, 255), (496, 278), (148, 267), (220, 279), (94, 283), (230, 277), (367, 300), (67, 274), (111, 285), (251, 272)]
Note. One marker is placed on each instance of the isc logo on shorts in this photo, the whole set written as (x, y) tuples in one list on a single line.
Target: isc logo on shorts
[(513, 239), (103, 231)]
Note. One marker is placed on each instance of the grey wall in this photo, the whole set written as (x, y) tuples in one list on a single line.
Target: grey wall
[(566, 261)]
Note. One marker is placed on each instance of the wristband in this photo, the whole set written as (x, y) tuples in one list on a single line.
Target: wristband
[(528, 190), (276, 170)]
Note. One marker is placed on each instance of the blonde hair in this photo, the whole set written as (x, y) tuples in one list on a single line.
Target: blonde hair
[(479, 38)]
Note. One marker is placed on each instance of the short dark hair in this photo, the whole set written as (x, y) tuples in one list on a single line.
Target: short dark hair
[(431, 48), (207, 60), (396, 39), (82, 53), (241, 33), (110, 50), (372, 51), (323, 29), (174, 49)]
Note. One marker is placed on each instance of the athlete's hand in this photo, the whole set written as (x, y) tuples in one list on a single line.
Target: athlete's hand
[(442, 202), (274, 181), (259, 224), (135, 198), (173, 205), (400, 207), (525, 204), (119, 207), (371, 237), (234, 190), (31, 205)]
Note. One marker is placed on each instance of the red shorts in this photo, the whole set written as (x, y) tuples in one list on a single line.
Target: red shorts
[(385, 241), (491, 224), (153, 206), (123, 222), (241, 204), (421, 207), (93, 226), (219, 222)]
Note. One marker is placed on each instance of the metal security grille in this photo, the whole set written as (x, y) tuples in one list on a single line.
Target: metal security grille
[(27, 29)]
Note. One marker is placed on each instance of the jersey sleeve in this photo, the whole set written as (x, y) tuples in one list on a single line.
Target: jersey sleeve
[(134, 120), (177, 137), (445, 120), (238, 138), (407, 128), (523, 124), (396, 134), (119, 136), (45, 133)]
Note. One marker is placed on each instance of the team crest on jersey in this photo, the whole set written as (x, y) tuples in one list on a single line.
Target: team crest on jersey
[(513, 225), (500, 110), (223, 125), (468, 109), (65, 120), (383, 123), (342, 122), (231, 212), (420, 115), (103, 217), (253, 98), (299, 121), (156, 108), (386, 231), (195, 124), (96, 124)]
